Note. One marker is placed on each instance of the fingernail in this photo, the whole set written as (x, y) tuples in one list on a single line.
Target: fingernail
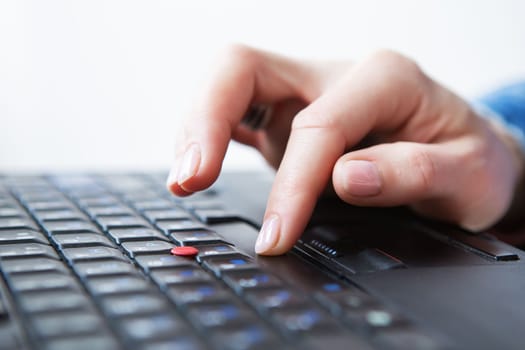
[(361, 178), (269, 235), (189, 164), (172, 176)]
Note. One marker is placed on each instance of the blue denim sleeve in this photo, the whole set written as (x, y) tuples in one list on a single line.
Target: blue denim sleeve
[(507, 105)]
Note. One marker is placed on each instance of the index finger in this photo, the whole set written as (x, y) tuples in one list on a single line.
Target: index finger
[(370, 97), (243, 77)]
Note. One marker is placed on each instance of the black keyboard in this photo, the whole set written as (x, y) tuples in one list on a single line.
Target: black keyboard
[(87, 265)]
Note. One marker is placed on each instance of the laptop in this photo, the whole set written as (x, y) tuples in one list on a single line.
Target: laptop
[(95, 261)]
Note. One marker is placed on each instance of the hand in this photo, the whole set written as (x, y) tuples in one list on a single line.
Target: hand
[(429, 148)]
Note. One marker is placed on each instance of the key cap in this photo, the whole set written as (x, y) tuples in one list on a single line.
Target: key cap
[(70, 226), (135, 234), (148, 247), (118, 284), (246, 337), (153, 328), (303, 320), (99, 201), (78, 240), (50, 205), (203, 292), (59, 215), (206, 316), (179, 342), (118, 222), (14, 266), (176, 275), (240, 281), (54, 301), (170, 226), (67, 324), (196, 237), (41, 281), (151, 262), (155, 216), (134, 304), (101, 341), (402, 337), (153, 204), (27, 250), (22, 236), (215, 216), (113, 210), (219, 264), (10, 212), (92, 253), (215, 249), (104, 268), (17, 223), (271, 298)]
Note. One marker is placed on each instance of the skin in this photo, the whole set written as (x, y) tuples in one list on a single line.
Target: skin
[(425, 146)]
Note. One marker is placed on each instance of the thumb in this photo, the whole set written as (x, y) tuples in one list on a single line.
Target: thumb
[(442, 180)]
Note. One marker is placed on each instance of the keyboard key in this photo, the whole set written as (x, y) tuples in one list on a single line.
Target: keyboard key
[(373, 318), (70, 226), (22, 236), (59, 215), (100, 341), (246, 337), (176, 275), (406, 338), (148, 247), (135, 234), (14, 266), (206, 316), (67, 324), (50, 205), (98, 201), (265, 299), (215, 216), (303, 319), (70, 240), (152, 262), (153, 204), (112, 210), (241, 281), (17, 223), (54, 301), (118, 284), (118, 222), (104, 268), (153, 327), (219, 264), (11, 212), (92, 253), (204, 292), (179, 225), (175, 342), (215, 249), (27, 250), (166, 214), (196, 237), (134, 304), (41, 281)]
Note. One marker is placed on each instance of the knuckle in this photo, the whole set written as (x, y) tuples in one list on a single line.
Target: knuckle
[(310, 120), (240, 54), (422, 163), (394, 64)]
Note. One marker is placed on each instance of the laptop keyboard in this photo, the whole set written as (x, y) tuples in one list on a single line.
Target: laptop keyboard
[(87, 263)]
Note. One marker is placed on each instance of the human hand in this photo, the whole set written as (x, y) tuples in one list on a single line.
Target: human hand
[(429, 148)]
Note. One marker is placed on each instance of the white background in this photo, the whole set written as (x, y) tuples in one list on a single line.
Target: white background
[(105, 84)]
